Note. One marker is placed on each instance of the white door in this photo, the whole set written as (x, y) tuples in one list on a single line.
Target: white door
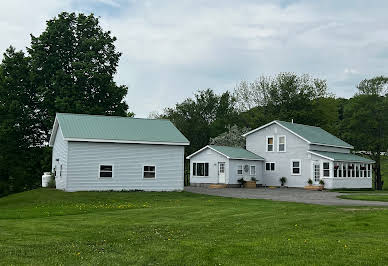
[(317, 173), (221, 173)]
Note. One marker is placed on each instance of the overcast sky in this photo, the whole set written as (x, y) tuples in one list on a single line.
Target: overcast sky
[(173, 48)]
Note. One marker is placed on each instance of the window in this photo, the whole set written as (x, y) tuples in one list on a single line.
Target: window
[(269, 143), (253, 170), (326, 169), (200, 169), (149, 171), (369, 170), (337, 170), (106, 170), (270, 166), (239, 169), (281, 143), (295, 167)]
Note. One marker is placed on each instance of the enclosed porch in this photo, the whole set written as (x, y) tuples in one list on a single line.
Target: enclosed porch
[(341, 170)]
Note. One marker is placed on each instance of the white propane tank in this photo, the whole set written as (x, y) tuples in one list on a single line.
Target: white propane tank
[(46, 178)]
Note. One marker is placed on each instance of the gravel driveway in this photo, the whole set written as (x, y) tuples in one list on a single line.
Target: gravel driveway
[(285, 194)]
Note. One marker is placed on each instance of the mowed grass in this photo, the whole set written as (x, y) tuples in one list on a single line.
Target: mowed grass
[(45, 227), (371, 196)]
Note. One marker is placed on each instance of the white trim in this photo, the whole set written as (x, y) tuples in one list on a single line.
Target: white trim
[(250, 169), (292, 166), (107, 164), (276, 122), (274, 166), (285, 143), (266, 143), (320, 155), (128, 141), (148, 178), (54, 132), (208, 146)]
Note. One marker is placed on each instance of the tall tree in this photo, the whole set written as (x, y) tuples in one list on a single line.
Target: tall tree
[(233, 137), (18, 123), (286, 96), (73, 63), (206, 115), (366, 121)]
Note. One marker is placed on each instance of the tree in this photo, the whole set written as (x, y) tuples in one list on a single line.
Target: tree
[(18, 123), (286, 96), (366, 121), (233, 137), (206, 115), (72, 64)]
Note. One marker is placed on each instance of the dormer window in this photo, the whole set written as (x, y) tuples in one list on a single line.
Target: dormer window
[(270, 144)]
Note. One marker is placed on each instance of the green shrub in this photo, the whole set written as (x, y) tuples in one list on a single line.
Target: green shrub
[(283, 180), (310, 181)]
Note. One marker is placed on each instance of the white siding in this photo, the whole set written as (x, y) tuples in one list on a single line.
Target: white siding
[(213, 158), (233, 176), (314, 147), (128, 161), (296, 149), (60, 151)]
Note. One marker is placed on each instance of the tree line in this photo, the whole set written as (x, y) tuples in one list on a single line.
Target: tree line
[(70, 67)]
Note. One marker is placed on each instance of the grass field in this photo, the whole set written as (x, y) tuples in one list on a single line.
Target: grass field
[(52, 227), (379, 196)]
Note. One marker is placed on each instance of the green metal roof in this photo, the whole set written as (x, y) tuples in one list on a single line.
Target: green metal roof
[(344, 157), (236, 152), (315, 135), (115, 128)]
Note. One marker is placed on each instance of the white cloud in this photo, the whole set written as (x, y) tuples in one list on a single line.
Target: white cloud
[(172, 48)]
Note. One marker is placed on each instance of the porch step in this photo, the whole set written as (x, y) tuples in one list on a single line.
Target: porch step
[(217, 185)]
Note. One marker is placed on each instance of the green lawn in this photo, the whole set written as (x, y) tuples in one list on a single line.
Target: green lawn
[(52, 227), (371, 196)]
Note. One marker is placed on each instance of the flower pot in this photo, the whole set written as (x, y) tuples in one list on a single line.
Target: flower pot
[(250, 184)]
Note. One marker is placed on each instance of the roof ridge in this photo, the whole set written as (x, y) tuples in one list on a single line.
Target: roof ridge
[(299, 124), (113, 116)]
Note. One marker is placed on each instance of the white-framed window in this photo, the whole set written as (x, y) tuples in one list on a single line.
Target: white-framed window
[(281, 143), (252, 169), (296, 166), (105, 171), (326, 169), (149, 171), (269, 166), (239, 169), (270, 143), (200, 169)]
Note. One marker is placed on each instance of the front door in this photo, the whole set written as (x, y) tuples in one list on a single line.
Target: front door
[(221, 173), (317, 173)]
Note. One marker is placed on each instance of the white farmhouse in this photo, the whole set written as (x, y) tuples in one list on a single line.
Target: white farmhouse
[(295, 151), (95, 153)]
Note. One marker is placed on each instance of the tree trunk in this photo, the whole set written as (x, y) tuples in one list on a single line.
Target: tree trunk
[(379, 185)]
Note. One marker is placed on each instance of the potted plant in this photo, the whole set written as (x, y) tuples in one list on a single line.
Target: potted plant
[(251, 183), (283, 180), (241, 181), (310, 185), (322, 184)]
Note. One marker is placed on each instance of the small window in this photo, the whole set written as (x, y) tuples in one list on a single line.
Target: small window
[(326, 169), (253, 170), (270, 166), (269, 143), (239, 169), (200, 169), (106, 170), (295, 167), (149, 171), (281, 143)]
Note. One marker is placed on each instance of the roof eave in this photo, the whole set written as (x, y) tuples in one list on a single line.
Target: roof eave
[(336, 146), (128, 141)]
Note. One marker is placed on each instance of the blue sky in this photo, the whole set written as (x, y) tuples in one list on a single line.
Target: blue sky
[(173, 48)]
